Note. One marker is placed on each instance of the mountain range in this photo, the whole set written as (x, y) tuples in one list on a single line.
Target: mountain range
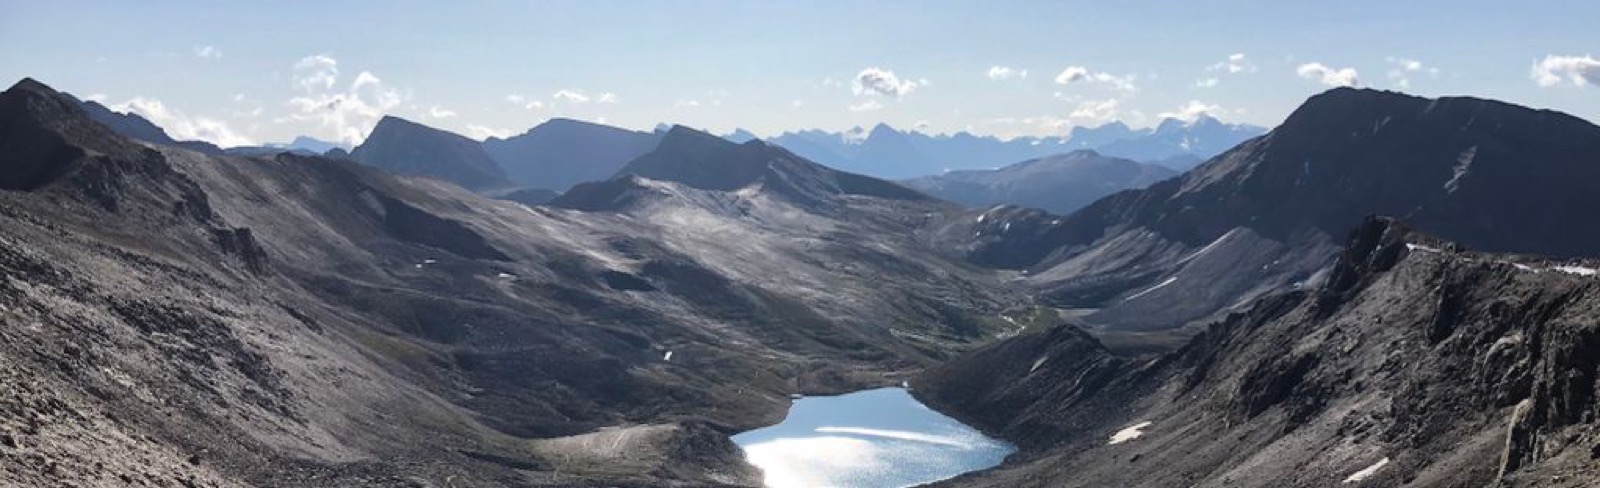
[(1059, 184), (198, 319), (1384, 290), (560, 153), (1267, 214), (886, 152)]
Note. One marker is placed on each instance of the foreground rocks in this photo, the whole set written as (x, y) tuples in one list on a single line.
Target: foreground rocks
[(1419, 363)]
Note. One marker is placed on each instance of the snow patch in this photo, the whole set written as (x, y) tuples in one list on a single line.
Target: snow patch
[(1208, 247), (1037, 363), (1128, 434), (1419, 247), (1463, 165), (667, 357), (1577, 270), (1158, 286), (1362, 475)]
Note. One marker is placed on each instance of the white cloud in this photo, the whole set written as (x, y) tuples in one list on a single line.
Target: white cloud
[(182, 126), (1101, 110), (797, 104), (524, 102), (878, 81), (1190, 111), (1328, 76), (1236, 63), (207, 52), (480, 132), (1581, 71), (438, 112), (365, 78), (1401, 69), (1072, 74), (96, 97), (349, 113), (866, 106), (1076, 74), (686, 103), (318, 71), (1006, 73), (607, 97), (571, 96), (921, 126)]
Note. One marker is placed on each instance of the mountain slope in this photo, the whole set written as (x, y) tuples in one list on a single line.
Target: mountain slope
[(1260, 217), (1059, 184), (707, 162), (243, 321), (1418, 364), (563, 152), (135, 127), (406, 147)]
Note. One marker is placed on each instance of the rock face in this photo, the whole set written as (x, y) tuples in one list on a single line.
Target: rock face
[(1261, 217), (176, 318), (561, 153), (1418, 363), (1059, 184), (404, 147)]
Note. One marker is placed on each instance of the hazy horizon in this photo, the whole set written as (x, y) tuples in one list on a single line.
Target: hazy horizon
[(252, 74)]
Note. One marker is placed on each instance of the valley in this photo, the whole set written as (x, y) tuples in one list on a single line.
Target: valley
[(1383, 290)]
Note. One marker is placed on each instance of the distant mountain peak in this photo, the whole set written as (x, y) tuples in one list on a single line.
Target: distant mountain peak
[(407, 147), (32, 85)]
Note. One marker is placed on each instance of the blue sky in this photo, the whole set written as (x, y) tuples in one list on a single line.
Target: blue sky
[(261, 72)]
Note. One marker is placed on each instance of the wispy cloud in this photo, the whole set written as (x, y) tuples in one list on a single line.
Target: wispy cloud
[(1190, 111), (524, 102), (182, 126), (1328, 76), (577, 97), (1100, 110), (207, 52), (1236, 63), (480, 132), (879, 81), (1079, 74), (1401, 70), (349, 113), (865, 106), (316, 71), (438, 112), (999, 73), (1579, 70)]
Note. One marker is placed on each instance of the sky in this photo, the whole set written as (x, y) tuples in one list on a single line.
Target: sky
[(240, 73)]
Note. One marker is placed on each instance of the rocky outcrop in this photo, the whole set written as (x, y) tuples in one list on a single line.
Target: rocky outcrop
[(1267, 215), (1458, 367)]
